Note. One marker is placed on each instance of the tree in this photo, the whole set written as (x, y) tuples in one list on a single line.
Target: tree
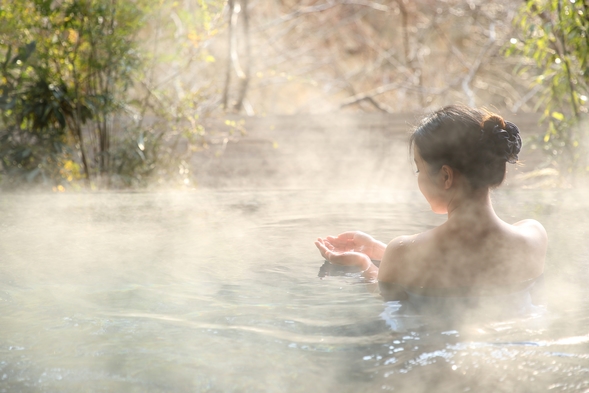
[(103, 90), (74, 64), (386, 55), (554, 37)]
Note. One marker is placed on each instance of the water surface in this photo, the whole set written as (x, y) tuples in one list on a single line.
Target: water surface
[(217, 291)]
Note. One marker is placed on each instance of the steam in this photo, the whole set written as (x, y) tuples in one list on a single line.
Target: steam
[(172, 289)]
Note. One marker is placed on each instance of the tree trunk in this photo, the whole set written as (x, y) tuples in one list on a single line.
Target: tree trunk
[(231, 5), (77, 115), (244, 77)]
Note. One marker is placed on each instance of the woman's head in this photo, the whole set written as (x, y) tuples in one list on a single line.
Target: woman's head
[(475, 143)]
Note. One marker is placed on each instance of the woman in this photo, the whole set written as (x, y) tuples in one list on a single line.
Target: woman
[(460, 154)]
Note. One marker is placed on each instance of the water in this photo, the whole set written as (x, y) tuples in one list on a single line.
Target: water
[(217, 291)]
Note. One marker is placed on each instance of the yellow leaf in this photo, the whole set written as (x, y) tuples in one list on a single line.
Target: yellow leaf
[(558, 116), (72, 36), (546, 137), (210, 59), (192, 36)]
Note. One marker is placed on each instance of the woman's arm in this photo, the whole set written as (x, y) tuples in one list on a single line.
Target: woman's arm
[(391, 272), (387, 290), (390, 266)]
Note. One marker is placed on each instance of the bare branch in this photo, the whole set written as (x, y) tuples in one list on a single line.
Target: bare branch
[(474, 68), (370, 96), (369, 4), (522, 101), (323, 7), (296, 14)]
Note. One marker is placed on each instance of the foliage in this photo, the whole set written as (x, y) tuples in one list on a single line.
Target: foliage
[(74, 61), (119, 93), (555, 37), (79, 78), (32, 110)]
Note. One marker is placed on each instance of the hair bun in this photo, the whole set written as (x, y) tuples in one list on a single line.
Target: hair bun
[(502, 137)]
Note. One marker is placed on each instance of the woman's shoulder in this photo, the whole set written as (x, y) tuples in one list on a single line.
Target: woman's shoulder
[(399, 250), (402, 245), (532, 225), (532, 230)]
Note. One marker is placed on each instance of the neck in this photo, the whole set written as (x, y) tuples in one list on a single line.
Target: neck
[(471, 205)]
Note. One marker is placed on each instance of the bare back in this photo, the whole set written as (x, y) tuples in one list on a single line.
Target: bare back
[(487, 254)]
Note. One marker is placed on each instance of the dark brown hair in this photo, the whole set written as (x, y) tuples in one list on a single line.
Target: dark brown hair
[(476, 143)]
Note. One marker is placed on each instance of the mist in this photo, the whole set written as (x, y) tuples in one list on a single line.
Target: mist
[(216, 288), (157, 229)]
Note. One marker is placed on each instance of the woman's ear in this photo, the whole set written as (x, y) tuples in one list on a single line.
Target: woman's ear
[(448, 176)]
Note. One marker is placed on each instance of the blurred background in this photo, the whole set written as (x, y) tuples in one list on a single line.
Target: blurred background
[(107, 94)]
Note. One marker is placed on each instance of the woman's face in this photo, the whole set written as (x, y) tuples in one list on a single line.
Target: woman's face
[(430, 184)]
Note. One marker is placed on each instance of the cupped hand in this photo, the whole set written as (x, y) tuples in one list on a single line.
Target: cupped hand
[(352, 241), (338, 256)]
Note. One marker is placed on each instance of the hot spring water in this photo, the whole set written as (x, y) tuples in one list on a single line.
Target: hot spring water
[(218, 291)]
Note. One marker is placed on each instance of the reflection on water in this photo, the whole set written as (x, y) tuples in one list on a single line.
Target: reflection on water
[(218, 291)]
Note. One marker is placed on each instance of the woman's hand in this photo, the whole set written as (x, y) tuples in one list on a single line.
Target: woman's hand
[(339, 256), (356, 241)]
